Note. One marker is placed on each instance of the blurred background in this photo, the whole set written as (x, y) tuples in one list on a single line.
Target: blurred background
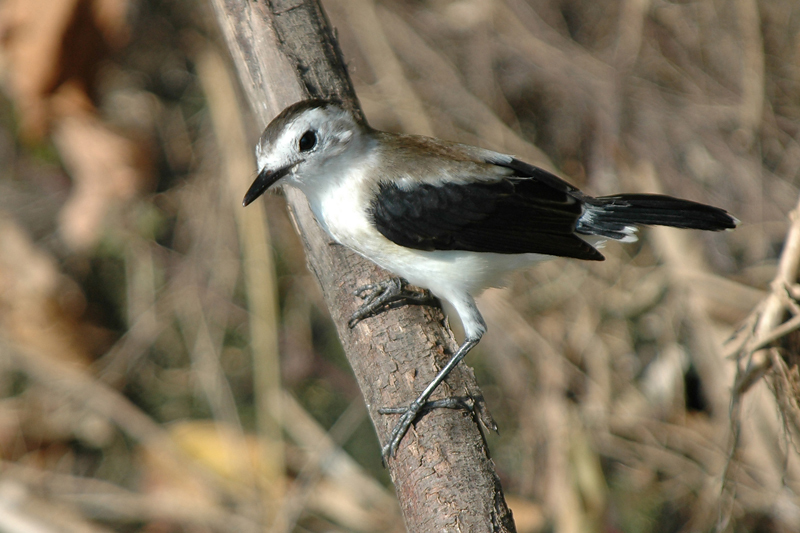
[(166, 363)]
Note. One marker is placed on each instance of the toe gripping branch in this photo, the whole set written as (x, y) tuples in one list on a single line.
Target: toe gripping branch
[(421, 403), (387, 294), (384, 295)]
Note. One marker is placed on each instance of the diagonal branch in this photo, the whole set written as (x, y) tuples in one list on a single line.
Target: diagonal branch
[(285, 52)]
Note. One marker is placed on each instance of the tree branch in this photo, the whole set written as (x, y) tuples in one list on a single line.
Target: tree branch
[(284, 51)]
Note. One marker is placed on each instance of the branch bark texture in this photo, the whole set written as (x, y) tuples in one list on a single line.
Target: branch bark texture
[(284, 51)]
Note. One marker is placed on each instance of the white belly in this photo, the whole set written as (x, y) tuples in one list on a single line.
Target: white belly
[(449, 274)]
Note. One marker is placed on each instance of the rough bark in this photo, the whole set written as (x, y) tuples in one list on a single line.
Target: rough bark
[(284, 51)]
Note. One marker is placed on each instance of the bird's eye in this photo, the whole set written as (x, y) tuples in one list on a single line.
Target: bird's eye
[(308, 141)]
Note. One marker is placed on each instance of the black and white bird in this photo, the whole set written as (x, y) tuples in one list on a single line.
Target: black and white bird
[(444, 216)]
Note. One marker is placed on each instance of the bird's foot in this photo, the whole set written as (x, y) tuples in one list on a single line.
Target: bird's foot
[(410, 414), (381, 295), (412, 411)]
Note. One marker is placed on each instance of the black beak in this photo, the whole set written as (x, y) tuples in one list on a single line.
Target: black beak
[(265, 179)]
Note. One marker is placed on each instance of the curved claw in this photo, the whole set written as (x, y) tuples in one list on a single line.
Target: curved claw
[(411, 413), (399, 431)]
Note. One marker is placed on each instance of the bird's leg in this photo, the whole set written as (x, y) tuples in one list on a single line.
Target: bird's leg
[(378, 296), (410, 413)]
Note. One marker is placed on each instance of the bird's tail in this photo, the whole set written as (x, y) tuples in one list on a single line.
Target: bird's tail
[(616, 217)]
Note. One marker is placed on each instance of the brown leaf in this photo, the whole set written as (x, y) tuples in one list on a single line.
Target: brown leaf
[(107, 170), (39, 308), (46, 43), (52, 50)]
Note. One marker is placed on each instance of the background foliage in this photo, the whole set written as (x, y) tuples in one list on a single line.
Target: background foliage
[(134, 396)]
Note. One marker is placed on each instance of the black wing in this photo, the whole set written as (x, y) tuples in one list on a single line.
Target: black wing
[(532, 213)]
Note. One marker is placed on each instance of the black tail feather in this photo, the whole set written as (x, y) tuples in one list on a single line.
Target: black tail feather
[(613, 216)]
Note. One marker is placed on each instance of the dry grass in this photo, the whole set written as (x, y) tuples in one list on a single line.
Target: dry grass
[(142, 312)]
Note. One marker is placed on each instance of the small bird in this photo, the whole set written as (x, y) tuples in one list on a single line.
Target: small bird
[(444, 216)]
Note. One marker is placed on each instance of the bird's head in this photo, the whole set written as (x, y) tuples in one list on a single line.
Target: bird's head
[(302, 144)]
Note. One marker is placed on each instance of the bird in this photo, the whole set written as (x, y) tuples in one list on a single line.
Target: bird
[(442, 216)]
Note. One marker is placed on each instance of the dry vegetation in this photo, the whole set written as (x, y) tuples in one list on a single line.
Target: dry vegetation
[(648, 393)]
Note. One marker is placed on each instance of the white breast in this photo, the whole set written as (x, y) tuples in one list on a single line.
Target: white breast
[(341, 208)]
